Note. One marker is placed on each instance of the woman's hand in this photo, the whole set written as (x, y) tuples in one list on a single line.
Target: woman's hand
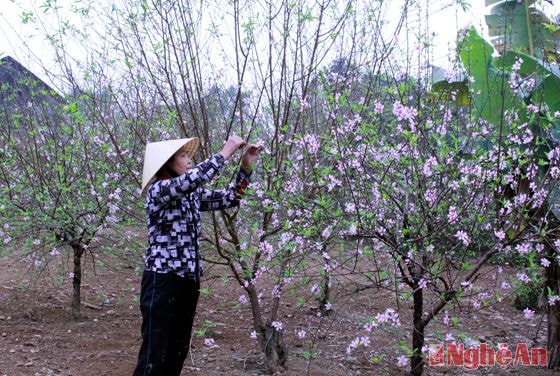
[(231, 146), (250, 157)]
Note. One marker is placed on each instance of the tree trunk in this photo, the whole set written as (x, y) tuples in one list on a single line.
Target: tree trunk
[(270, 339), (554, 337), (77, 281), (274, 349), (552, 278), (417, 361), (326, 293)]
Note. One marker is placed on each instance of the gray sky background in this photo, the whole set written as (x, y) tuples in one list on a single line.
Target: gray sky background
[(444, 22)]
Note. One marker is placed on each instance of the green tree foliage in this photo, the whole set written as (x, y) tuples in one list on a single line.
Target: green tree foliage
[(61, 180)]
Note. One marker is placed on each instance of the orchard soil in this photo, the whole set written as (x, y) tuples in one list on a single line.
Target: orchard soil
[(38, 335)]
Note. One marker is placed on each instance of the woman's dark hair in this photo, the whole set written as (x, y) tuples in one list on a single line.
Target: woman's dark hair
[(166, 170)]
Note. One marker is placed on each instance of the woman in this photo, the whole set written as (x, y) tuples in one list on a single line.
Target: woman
[(171, 279)]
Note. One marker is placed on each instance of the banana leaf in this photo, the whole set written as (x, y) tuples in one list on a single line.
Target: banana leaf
[(508, 28), (490, 91)]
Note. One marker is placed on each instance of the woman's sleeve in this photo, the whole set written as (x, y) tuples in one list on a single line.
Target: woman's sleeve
[(225, 198), (168, 189)]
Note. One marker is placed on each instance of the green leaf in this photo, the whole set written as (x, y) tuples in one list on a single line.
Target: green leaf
[(489, 89)]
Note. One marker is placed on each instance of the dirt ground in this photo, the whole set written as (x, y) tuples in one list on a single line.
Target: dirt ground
[(38, 335)]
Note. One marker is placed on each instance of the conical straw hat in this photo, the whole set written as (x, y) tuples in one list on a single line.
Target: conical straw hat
[(157, 153)]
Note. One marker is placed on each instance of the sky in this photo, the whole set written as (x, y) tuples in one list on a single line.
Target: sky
[(444, 22)]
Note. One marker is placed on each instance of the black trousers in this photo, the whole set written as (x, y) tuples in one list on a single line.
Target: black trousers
[(168, 305)]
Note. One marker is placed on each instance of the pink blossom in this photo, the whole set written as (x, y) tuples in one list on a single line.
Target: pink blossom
[(500, 234), (545, 262), (378, 107), (523, 248), (303, 104), (446, 319), (523, 277), (402, 361), (429, 165), (370, 326), (464, 237), (539, 247), (431, 196), (54, 252), (356, 342), (276, 291), (389, 316), (452, 215), (515, 67), (310, 142), (529, 314), (266, 249), (532, 108), (403, 112), (208, 342)]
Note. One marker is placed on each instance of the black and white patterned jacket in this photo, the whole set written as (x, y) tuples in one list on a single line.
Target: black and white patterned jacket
[(173, 209)]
